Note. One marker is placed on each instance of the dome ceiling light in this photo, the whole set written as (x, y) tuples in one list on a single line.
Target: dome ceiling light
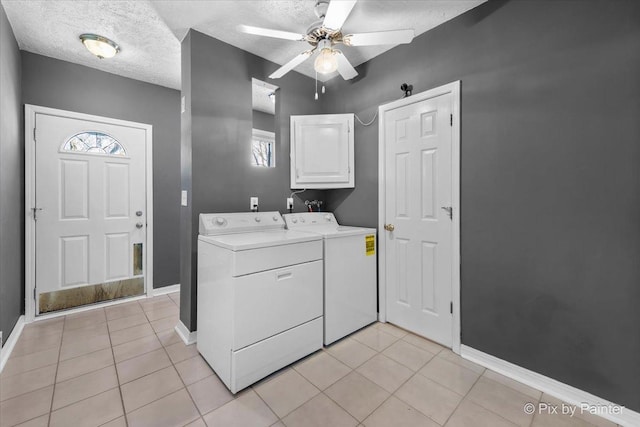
[(100, 46)]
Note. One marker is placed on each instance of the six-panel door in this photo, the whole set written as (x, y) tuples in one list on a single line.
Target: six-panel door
[(90, 212), (418, 164)]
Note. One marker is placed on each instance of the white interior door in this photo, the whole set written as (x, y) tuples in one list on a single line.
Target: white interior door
[(90, 211), (418, 187)]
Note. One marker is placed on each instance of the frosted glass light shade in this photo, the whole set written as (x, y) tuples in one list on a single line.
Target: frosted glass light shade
[(100, 46), (326, 61)]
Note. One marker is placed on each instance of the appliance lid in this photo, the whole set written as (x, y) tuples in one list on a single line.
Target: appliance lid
[(330, 232), (259, 239)]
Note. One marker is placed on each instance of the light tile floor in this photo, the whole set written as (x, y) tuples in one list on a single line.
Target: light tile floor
[(125, 366)]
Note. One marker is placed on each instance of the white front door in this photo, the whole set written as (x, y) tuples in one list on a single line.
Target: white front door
[(90, 211), (418, 188)]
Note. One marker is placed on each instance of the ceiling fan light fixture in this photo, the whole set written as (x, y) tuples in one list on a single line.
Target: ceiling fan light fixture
[(326, 61), (100, 46)]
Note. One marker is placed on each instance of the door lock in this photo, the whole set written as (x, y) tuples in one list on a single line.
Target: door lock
[(389, 227), (139, 225), (138, 213)]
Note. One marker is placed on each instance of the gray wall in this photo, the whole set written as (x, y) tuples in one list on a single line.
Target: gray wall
[(550, 182), (220, 174), (11, 181), (264, 121), (58, 84)]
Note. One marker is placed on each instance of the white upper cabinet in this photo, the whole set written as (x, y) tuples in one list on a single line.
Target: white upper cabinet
[(322, 151)]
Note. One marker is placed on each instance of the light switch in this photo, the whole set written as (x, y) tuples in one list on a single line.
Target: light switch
[(184, 198)]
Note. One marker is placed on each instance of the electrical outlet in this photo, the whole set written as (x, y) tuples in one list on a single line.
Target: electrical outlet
[(290, 203), (253, 204)]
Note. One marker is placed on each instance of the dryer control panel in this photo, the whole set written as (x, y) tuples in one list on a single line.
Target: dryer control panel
[(309, 218), (239, 222)]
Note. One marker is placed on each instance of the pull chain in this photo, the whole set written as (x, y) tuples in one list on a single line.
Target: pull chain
[(316, 86)]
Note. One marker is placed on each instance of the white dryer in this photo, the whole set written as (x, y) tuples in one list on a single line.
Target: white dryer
[(259, 295), (350, 272)]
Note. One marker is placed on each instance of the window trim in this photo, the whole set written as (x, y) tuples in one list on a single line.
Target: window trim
[(258, 135)]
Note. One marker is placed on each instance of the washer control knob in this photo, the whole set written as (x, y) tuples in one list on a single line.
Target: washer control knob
[(258, 219), (302, 220), (275, 218), (220, 221), (327, 217), (294, 220)]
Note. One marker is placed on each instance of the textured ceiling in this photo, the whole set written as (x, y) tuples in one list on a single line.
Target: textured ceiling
[(220, 19), (149, 32), (150, 52)]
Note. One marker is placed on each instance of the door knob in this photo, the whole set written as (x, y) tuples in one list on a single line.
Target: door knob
[(389, 227), (139, 225)]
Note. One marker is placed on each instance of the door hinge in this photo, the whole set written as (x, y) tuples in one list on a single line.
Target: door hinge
[(451, 307), (35, 213), (34, 293), (451, 119), (449, 211), (34, 134)]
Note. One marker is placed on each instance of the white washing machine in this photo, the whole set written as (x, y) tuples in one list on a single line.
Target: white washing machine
[(259, 295), (350, 272)]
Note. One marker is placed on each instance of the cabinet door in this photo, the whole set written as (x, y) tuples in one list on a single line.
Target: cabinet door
[(322, 151)]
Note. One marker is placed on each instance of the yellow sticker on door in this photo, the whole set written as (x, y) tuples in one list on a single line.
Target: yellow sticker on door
[(370, 244)]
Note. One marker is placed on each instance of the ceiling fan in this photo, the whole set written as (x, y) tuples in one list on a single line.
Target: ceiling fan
[(327, 32)]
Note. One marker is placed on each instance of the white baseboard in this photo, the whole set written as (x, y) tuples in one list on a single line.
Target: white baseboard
[(550, 386), (165, 290), (184, 333), (11, 341)]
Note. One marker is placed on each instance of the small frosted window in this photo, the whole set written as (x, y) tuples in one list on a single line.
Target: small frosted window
[(94, 143), (263, 151)]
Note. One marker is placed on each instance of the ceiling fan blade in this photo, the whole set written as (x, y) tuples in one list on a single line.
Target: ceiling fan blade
[(291, 65), (380, 37), (337, 13), (271, 33), (345, 68)]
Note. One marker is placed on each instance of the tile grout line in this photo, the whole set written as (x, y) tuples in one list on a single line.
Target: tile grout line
[(390, 394), (115, 368), (461, 400), (173, 365), (58, 361), (271, 409), (537, 401), (55, 378)]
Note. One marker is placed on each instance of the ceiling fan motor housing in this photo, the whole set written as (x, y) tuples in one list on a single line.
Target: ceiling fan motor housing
[(321, 9)]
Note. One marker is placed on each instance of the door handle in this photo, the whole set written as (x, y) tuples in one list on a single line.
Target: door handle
[(139, 225), (389, 227), (284, 275)]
